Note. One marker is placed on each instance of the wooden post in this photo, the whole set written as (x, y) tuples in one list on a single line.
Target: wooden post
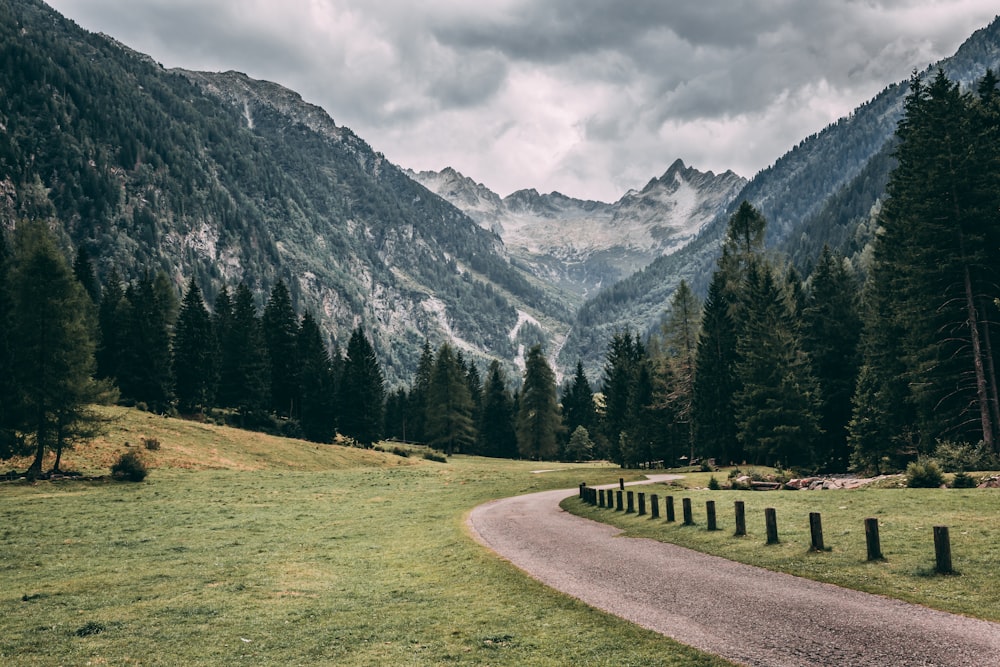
[(669, 502), (642, 504), (872, 540), (688, 518), (710, 514), (942, 550), (600, 497), (583, 485), (621, 483), (771, 520), (815, 532), (741, 519), (654, 506), (618, 497), (631, 502)]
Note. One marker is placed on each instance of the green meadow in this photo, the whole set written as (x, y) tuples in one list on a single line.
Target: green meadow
[(906, 519), (245, 549)]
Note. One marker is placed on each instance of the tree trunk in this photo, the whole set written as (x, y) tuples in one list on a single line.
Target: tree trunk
[(977, 362)]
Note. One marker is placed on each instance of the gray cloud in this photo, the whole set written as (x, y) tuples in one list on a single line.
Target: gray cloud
[(587, 97)]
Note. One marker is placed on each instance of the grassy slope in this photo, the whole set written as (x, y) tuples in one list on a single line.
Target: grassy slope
[(245, 548), (906, 518)]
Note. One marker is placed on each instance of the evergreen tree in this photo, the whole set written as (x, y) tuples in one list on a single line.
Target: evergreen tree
[(52, 330), (244, 357), (715, 383), (538, 417), (194, 353), (281, 327), (935, 260), (475, 385), (624, 356), (316, 383), (83, 269), (112, 325), (778, 404), (362, 392), (678, 354), (578, 403), (396, 406), (831, 333), (450, 426), (10, 442), (580, 447), (222, 325), (496, 426), (417, 403), (145, 373)]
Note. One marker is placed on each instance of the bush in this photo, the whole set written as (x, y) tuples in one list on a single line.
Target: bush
[(963, 480), (129, 468), (713, 484), (436, 456), (923, 474), (152, 444), (705, 466)]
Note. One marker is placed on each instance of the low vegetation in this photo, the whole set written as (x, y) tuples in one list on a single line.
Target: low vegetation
[(240, 547)]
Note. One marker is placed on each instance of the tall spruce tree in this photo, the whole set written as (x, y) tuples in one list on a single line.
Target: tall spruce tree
[(316, 406), (83, 269), (222, 325), (831, 333), (578, 403), (194, 353), (112, 326), (935, 261), (53, 331), (538, 418), (777, 405), (450, 424), (496, 426), (417, 403), (244, 360), (362, 391), (10, 442), (622, 362), (677, 357), (145, 372), (281, 327)]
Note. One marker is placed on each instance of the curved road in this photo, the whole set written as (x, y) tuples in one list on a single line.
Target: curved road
[(743, 613)]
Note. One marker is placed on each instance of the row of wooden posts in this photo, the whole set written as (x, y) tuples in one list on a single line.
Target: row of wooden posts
[(622, 500)]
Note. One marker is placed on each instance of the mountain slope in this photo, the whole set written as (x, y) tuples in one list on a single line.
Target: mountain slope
[(831, 179), (584, 245), (230, 179)]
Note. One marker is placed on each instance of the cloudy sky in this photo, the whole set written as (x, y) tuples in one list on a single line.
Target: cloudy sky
[(587, 97)]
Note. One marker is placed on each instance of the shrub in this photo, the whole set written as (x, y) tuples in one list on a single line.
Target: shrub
[(713, 483), (957, 456), (705, 466), (152, 444), (923, 474), (436, 456), (963, 480), (129, 468)]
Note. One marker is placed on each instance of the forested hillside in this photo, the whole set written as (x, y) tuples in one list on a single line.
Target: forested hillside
[(822, 191), (229, 180)]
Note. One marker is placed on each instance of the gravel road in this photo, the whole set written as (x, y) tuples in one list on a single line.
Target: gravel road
[(745, 614)]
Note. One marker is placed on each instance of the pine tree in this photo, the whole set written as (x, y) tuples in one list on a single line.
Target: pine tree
[(222, 325), (496, 426), (578, 403), (244, 355), (280, 327), (715, 383), (10, 442), (362, 391), (450, 425), (678, 356), (112, 324), (194, 353), (316, 383), (145, 372), (538, 417), (52, 330), (623, 359), (777, 406), (417, 403), (831, 334), (83, 269)]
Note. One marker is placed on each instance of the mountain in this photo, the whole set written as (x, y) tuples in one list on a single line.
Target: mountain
[(825, 189), (580, 245), (229, 179)]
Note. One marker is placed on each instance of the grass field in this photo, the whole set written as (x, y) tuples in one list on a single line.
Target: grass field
[(245, 549), (906, 519)]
